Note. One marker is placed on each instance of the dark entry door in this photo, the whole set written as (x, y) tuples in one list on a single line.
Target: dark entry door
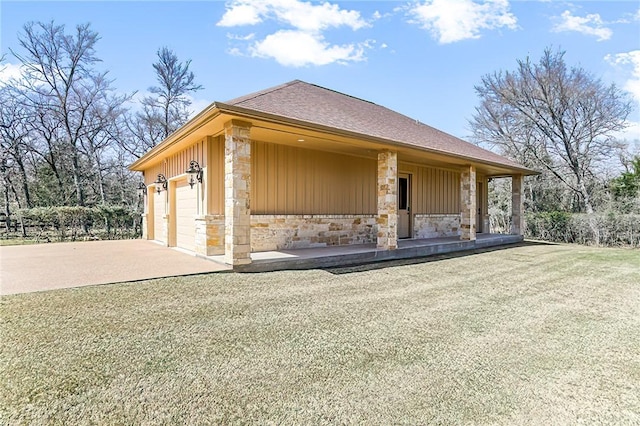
[(404, 203)]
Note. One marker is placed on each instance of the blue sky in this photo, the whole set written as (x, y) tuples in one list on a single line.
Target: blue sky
[(421, 58)]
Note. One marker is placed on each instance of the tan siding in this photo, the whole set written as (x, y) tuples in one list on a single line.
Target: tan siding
[(177, 164), (436, 191), (291, 180), (151, 173), (215, 178)]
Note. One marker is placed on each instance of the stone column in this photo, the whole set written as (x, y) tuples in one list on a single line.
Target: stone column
[(237, 190), (468, 204), (387, 200), (517, 205)]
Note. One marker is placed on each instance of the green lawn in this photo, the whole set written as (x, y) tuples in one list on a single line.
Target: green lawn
[(533, 334)]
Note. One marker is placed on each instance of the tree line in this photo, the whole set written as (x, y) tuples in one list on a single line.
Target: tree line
[(66, 133), (564, 122)]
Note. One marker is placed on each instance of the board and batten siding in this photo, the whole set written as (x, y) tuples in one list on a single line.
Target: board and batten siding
[(178, 163), (295, 180), (215, 175), (435, 191), (292, 180)]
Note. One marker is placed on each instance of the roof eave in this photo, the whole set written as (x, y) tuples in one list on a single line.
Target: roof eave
[(219, 108), (251, 113)]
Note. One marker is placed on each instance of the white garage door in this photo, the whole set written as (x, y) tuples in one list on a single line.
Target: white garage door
[(158, 212), (186, 208)]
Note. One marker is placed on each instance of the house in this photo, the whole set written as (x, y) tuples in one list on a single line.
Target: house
[(299, 165)]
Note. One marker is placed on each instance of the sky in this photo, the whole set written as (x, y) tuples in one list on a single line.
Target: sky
[(420, 58)]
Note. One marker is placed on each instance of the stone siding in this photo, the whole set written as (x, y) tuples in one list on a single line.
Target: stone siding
[(468, 204), (210, 235), (517, 206), (280, 232), (237, 190), (387, 236), (436, 225)]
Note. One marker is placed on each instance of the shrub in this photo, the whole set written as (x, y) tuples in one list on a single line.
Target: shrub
[(604, 229), (73, 222)]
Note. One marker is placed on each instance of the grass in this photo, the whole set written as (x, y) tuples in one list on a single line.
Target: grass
[(534, 334)]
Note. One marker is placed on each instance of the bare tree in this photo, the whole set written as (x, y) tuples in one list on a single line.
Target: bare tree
[(13, 146), (175, 82), (549, 116), (167, 109), (65, 94)]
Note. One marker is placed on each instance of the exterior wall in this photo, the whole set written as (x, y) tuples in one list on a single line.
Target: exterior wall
[(278, 232), (292, 180), (436, 225), (214, 176), (210, 235), (173, 168), (305, 198), (176, 164), (434, 190)]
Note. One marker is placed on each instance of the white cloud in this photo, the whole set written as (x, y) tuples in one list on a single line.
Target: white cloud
[(629, 60), (299, 48), (10, 71), (296, 13), (247, 37), (450, 21), (242, 14), (590, 24), (304, 42)]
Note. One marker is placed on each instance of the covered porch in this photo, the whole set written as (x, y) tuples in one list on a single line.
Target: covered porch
[(336, 256)]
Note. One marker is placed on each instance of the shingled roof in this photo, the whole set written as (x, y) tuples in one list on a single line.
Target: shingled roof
[(321, 106)]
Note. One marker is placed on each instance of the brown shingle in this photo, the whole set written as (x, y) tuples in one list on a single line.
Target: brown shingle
[(317, 105)]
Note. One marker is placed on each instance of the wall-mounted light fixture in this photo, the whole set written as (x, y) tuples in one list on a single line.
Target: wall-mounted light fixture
[(195, 173), (142, 189), (161, 183)]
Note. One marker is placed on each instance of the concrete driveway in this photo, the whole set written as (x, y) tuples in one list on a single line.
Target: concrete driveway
[(39, 267)]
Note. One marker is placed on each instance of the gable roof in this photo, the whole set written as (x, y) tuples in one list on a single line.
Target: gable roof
[(317, 105)]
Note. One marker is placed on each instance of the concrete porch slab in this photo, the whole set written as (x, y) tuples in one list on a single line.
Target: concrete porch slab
[(332, 256)]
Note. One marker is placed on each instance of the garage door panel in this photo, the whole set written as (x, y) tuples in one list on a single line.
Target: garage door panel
[(186, 209)]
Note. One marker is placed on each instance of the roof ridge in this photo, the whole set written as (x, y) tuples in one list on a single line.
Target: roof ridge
[(339, 93), (263, 92)]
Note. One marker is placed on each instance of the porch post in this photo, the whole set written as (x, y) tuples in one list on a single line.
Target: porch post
[(517, 205), (237, 190), (468, 204), (387, 200)]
